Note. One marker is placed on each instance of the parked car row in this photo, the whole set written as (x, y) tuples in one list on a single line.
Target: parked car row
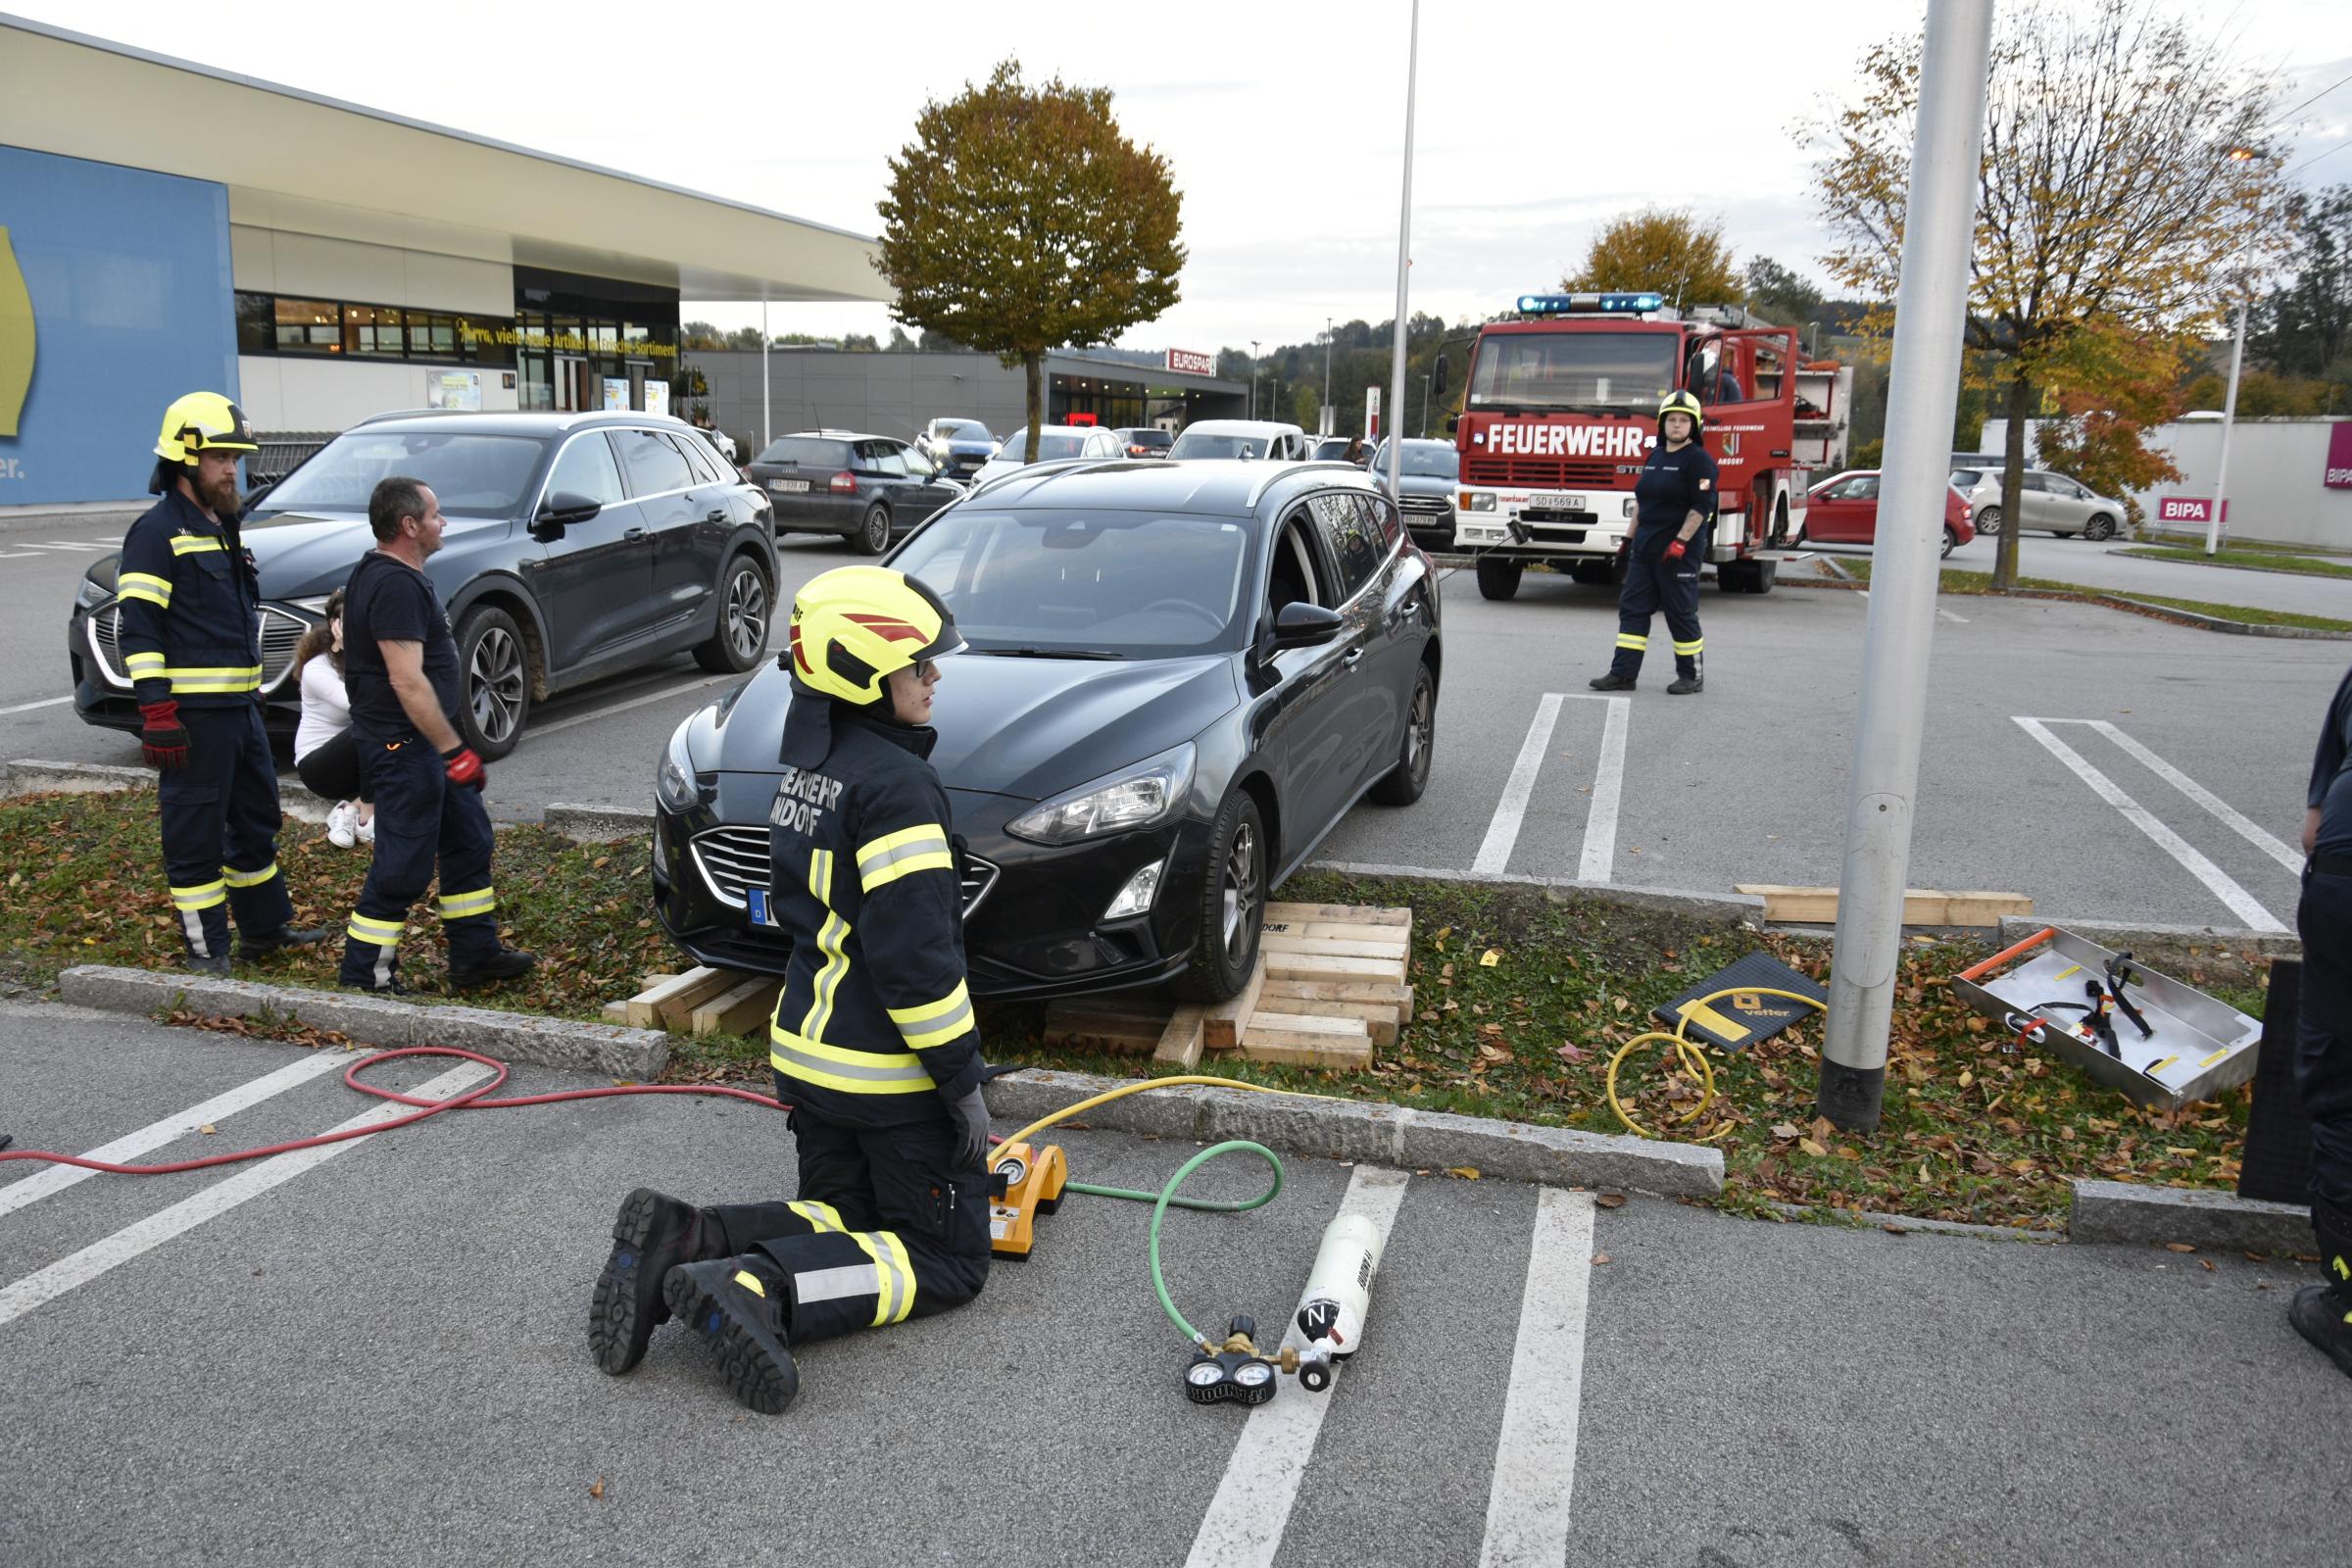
[(1844, 509), (2046, 500)]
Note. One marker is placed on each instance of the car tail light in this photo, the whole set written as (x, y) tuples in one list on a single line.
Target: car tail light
[(1139, 452), (845, 483)]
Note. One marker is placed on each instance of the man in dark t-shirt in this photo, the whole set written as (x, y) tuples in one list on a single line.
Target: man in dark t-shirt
[(400, 665), (2323, 1314)]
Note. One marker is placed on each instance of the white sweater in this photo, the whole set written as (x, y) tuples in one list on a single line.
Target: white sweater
[(325, 706)]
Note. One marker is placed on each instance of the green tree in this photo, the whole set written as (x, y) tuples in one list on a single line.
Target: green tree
[(2124, 172), (700, 335), (2262, 395), (744, 337), (1666, 250), (899, 342), (1780, 296), (2304, 327), (1022, 220)]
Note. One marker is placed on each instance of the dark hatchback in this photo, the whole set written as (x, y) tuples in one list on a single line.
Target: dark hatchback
[(867, 488), (578, 546), (1425, 489), (1180, 678)]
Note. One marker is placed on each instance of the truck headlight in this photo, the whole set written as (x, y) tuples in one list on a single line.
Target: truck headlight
[(673, 780), (1137, 797), (1626, 507), (1478, 501)]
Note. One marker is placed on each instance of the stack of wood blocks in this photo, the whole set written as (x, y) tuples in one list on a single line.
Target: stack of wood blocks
[(701, 1001), (1328, 990)]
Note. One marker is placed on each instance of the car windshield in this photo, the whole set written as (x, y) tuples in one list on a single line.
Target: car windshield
[(961, 430), (1139, 584), (1148, 438), (1965, 478), (1202, 444), (1429, 460), (1049, 445), (473, 476), (1573, 371), (806, 452)]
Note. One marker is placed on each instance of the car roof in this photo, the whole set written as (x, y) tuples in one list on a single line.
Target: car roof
[(1225, 486), (1243, 427), (534, 421), (1055, 429), (834, 435)]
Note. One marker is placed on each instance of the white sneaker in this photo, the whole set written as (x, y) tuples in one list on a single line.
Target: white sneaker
[(342, 825), (367, 830)]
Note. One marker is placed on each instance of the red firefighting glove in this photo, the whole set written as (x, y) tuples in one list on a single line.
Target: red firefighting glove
[(465, 768), (1674, 550), (162, 740)]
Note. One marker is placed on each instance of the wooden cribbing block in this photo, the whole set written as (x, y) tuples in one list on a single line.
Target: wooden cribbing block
[(1378, 1017), (616, 1012), (1181, 1040), (1393, 935), (674, 999), (739, 1010), (1308, 1042), (1105, 1023), (1339, 914), (1229, 1020), (1921, 906), (1275, 940), (1282, 965), (647, 982)]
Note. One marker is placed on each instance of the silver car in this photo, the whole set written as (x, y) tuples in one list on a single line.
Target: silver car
[(2046, 500)]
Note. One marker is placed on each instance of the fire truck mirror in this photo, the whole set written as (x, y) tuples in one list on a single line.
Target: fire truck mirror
[(1438, 381), (1453, 422)]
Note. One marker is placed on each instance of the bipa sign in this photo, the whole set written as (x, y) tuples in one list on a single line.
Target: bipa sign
[(1192, 362), (2339, 456), (2188, 509)]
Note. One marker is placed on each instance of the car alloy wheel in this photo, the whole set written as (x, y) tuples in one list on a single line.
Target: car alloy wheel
[(497, 681), (1403, 784), (874, 533), (1952, 539), (1238, 894), (746, 615), (1988, 520), (2101, 528), (1232, 902)]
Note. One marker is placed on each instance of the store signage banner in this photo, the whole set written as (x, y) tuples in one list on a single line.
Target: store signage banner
[(2188, 509), (2339, 456), (1192, 362), (657, 397), (617, 394), (115, 299), (453, 389)]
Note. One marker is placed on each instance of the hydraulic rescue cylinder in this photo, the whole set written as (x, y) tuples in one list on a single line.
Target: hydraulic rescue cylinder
[(1339, 1292)]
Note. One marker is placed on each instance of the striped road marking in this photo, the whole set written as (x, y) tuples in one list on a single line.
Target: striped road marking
[(46, 702), (1599, 856), (1244, 1525), (2229, 815), (48, 1283), (1535, 1462), (57, 1178)]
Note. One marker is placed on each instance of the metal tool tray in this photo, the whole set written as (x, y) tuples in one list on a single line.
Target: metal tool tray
[(2201, 1047)]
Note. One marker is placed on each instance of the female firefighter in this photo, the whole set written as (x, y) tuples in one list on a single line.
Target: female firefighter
[(873, 1042), (1674, 500)]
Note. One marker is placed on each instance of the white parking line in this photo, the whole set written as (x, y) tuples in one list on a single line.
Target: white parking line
[(2241, 903), (1608, 783), (1535, 1460), (1940, 614), (2229, 815), (1245, 1519), (635, 702), (46, 702), (48, 1283), (1495, 851), (221, 1107)]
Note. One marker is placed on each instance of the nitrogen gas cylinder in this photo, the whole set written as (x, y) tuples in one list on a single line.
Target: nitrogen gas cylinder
[(1330, 1315)]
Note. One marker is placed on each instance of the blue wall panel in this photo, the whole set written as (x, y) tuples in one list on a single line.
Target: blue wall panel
[(127, 274)]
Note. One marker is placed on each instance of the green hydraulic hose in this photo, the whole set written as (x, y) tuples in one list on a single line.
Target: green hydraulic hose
[(1160, 1201)]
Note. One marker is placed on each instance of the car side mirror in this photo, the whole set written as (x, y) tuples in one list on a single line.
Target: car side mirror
[(1303, 625), (562, 508)]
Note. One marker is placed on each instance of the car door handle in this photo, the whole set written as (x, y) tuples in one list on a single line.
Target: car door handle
[(634, 534), (1353, 657), (716, 515)]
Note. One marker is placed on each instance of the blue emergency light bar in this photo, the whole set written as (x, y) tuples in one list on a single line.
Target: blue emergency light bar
[(1589, 304)]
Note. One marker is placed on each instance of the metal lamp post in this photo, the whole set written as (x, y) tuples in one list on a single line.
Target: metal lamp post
[(1253, 378), (1392, 426)]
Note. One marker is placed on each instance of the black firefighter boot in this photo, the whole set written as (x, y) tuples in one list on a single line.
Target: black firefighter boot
[(651, 1236), (743, 1304), (2323, 1314)]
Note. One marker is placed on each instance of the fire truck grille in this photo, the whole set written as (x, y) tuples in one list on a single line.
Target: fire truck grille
[(1539, 472)]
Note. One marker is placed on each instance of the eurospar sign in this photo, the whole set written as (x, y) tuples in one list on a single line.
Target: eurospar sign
[(1192, 362)]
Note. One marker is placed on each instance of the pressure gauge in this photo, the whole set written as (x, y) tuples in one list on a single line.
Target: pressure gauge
[(1205, 1374)]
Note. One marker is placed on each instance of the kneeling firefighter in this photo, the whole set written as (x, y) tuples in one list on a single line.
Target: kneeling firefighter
[(873, 1042), (1674, 500)]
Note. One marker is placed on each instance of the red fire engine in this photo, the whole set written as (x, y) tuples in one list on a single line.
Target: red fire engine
[(1561, 409)]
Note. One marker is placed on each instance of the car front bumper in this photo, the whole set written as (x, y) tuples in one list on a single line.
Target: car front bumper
[(104, 697)]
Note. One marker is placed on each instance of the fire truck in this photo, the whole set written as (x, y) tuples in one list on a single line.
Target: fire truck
[(1560, 410)]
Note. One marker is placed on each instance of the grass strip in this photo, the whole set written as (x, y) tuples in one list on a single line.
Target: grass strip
[(1973, 1131), (1956, 581), (2251, 559)]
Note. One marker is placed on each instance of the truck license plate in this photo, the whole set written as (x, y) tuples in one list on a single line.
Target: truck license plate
[(788, 488), (1556, 501)]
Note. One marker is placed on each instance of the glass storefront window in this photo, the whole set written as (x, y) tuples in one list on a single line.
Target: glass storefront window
[(256, 324), (478, 341), (309, 327), (373, 332), (432, 336)]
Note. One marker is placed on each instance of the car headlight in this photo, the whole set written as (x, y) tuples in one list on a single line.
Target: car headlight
[(1136, 797), (673, 781), (1478, 501), (93, 593), (1136, 896)]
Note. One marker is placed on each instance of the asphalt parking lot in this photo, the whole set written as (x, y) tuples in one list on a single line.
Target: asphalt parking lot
[(379, 1357)]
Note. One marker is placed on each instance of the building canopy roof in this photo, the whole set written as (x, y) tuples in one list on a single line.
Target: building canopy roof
[(87, 97)]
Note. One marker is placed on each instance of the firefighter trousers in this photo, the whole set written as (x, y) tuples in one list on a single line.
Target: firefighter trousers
[(420, 820), (885, 1228), (1648, 585), (220, 826), (2323, 1031)]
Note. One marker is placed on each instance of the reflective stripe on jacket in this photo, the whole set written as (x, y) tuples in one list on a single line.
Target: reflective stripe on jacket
[(191, 627)]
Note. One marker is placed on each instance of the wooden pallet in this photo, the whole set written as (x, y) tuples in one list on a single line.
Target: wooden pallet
[(1328, 991)]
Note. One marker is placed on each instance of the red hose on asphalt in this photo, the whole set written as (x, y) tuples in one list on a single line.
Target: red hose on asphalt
[(472, 1100)]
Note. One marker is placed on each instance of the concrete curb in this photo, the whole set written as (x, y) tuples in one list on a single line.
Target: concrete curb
[(1873, 1219), (28, 777), (605, 1049), (2134, 553), (1384, 1134), (2237, 956), (1718, 908), (2122, 1211), (595, 824)]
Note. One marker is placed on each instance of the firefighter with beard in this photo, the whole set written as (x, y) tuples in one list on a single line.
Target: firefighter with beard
[(1674, 500), (190, 640), (873, 1042)]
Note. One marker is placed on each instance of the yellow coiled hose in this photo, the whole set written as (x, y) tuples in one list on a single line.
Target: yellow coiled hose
[(1694, 1056)]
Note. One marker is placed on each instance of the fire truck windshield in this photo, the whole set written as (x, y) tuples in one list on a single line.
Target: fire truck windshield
[(1587, 372)]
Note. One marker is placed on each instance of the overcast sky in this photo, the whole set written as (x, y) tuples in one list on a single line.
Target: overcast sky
[(1283, 122)]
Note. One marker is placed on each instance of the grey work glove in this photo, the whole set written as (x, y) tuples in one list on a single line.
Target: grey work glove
[(969, 1115)]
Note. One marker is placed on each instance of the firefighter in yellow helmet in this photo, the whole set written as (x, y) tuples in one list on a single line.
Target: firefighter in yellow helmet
[(873, 1042), (1674, 502), (190, 640)]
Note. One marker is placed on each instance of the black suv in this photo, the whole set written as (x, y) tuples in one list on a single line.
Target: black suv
[(579, 545), (867, 488)]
